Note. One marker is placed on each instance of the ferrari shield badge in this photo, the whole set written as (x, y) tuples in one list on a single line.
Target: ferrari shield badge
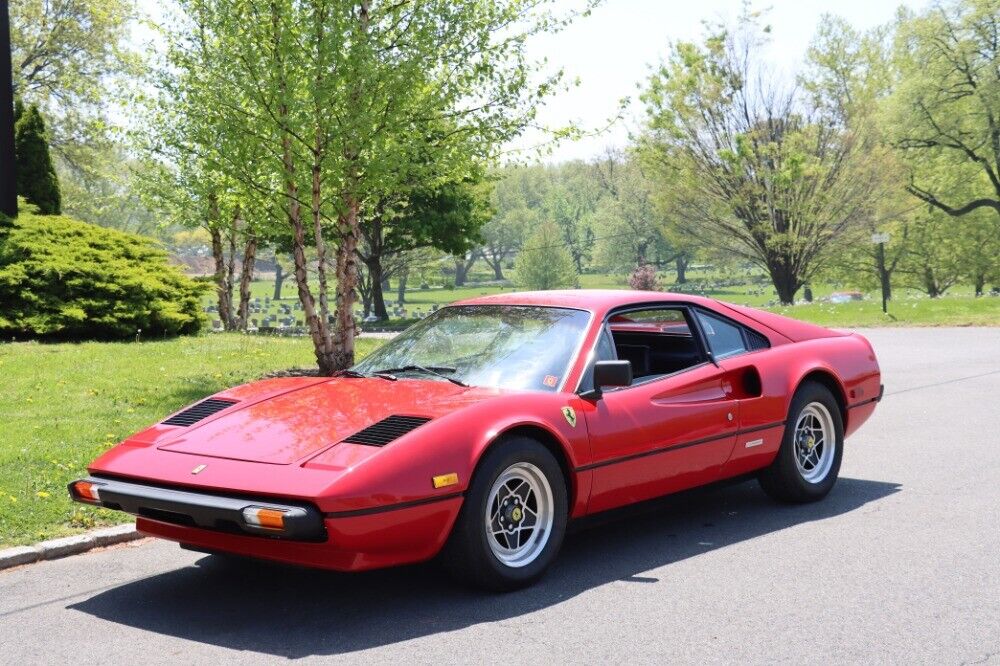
[(570, 416), (198, 469)]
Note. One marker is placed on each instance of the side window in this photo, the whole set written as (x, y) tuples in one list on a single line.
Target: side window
[(724, 339), (656, 341), (604, 351), (605, 348)]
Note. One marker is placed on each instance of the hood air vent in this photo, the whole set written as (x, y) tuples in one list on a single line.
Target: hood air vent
[(196, 413), (386, 430)]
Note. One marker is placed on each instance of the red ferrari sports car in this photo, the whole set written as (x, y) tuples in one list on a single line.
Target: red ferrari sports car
[(480, 431)]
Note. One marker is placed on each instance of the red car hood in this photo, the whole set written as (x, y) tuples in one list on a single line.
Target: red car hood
[(293, 426)]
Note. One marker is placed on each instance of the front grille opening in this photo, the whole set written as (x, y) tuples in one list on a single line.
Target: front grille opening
[(171, 517), (196, 413), (387, 430)]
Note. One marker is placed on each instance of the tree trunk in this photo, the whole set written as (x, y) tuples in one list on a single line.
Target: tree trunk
[(246, 277), (223, 289), (231, 324), (401, 285), (460, 271), (374, 265), (930, 284), (279, 278), (462, 267), (318, 329), (498, 269), (979, 283), (785, 283), (347, 280), (681, 264)]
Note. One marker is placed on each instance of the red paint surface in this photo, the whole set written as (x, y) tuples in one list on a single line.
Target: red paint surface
[(283, 438)]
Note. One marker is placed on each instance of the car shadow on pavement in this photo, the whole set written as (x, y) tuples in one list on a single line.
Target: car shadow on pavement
[(294, 613)]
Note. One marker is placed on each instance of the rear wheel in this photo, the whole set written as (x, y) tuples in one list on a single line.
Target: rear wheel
[(513, 519), (808, 462)]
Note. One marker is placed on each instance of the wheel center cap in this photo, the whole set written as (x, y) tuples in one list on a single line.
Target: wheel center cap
[(516, 514)]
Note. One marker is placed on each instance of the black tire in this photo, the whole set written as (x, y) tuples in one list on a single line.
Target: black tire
[(783, 480), (468, 555)]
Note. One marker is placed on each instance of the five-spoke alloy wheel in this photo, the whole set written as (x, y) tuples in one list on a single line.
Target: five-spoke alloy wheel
[(519, 514), (513, 518), (808, 461)]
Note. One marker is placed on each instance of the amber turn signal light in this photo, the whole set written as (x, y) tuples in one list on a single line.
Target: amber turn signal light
[(87, 492), (268, 519), (445, 480)]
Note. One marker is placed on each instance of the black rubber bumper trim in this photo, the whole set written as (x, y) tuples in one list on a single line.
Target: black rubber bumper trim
[(677, 447), (391, 507), (193, 509)]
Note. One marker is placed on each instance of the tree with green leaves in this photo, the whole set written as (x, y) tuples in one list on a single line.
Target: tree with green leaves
[(446, 218), (36, 177), (626, 216), (347, 101), (749, 164), (946, 106), (543, 262), (73, 59), (849, 74), (570, 201)]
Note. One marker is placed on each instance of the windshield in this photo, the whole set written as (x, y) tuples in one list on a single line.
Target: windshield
[(503, 346)]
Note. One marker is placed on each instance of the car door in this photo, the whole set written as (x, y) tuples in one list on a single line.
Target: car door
[(660, 436), (742, 354)]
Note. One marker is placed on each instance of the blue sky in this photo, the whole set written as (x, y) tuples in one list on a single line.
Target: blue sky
[(610, 52)]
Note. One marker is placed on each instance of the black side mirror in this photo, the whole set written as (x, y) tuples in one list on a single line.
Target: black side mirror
[(609, 373)]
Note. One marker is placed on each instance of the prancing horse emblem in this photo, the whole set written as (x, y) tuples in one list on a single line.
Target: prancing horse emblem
[(570, 416), (198, 469)]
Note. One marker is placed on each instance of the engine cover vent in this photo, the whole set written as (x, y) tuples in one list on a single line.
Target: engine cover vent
[(387, 430), (196, 413)]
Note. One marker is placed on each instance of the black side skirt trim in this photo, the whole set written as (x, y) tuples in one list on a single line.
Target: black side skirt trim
[(391, 507), (675, 447)]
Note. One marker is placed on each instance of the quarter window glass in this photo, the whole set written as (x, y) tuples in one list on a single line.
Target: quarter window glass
[(724, 339)]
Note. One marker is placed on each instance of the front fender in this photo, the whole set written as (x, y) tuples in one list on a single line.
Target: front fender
[(402, 472)]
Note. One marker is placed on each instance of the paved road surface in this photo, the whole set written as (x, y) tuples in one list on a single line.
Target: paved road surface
[(901, 563)]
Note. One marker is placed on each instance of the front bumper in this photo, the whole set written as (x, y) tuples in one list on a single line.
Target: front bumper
[(223, 513)]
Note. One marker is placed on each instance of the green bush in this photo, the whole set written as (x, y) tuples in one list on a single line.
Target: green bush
[(65, 279)]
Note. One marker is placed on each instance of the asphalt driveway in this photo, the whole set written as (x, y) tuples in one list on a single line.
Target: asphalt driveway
[(901, 563)]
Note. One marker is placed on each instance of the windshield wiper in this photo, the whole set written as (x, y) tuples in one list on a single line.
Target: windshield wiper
[(354, 374), (436, 370)]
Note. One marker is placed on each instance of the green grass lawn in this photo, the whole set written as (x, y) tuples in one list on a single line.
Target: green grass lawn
[(63, 404), (957, 308)]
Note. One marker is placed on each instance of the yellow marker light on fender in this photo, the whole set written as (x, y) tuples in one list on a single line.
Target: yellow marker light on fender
[(87, 491), (445, 480), (268, 519)]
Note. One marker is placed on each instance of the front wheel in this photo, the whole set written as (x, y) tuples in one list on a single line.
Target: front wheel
[(808, 461), (513, 520)]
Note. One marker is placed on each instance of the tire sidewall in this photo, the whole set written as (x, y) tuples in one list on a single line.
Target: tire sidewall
[(807, 394), (501, 456)]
